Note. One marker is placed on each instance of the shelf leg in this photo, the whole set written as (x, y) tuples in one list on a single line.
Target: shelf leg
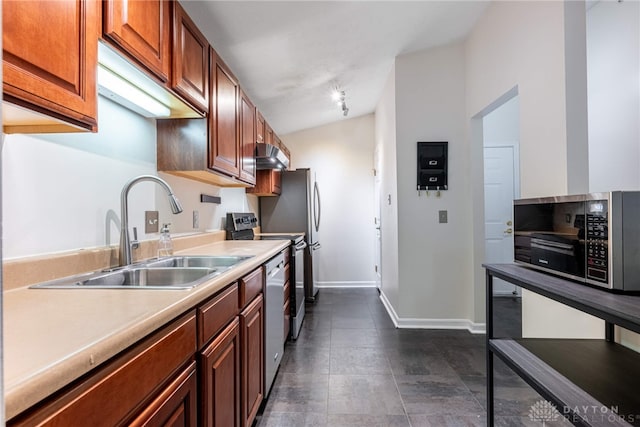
[(489, 353), (609, 331)]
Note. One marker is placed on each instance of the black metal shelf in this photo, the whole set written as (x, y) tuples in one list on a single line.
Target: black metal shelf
[(594, 382), (620, 309), (584, 378)]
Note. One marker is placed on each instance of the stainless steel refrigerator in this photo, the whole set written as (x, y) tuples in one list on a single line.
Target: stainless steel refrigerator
[(296, 210)]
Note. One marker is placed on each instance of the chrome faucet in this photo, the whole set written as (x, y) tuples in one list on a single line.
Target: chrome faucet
[(125, 241)]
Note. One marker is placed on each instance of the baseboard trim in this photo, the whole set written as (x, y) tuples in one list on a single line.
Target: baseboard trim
[(416, 323), (354, 284)]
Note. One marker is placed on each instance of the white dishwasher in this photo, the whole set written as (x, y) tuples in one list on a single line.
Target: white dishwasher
[(274, 330)]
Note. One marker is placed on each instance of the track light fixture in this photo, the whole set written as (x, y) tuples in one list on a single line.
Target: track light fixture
[(339, 97)]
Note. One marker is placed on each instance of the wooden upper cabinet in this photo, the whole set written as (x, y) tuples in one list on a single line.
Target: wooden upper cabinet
[(276, 141), (50, 58), (224, 146), (142, 31), (268, 183), (268, 134), (190, 75), (260, 127), (247, 140)]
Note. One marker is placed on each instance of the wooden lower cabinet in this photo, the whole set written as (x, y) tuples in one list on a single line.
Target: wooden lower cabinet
[(127, 386), (176, 406), (252, 338), (193, 372), (220, 379)]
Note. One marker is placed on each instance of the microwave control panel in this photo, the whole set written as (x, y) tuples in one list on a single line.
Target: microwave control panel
[(597, 234)]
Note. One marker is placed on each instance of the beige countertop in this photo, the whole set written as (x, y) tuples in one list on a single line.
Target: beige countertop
[(53, 336)]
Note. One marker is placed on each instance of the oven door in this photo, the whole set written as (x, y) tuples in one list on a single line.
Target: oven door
[(297, 296)]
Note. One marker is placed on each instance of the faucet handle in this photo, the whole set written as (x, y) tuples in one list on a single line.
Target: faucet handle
[(134, 243)]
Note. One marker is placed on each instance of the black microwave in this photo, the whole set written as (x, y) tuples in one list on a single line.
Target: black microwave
[(592, 238)]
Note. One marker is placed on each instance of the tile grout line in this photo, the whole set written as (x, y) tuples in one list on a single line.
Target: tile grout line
[(395, 382)]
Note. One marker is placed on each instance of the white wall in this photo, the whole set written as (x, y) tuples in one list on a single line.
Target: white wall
[(62, 192), (385, 129), (434, 267), (501, 127), (613, 70), (522, 45), (613, 59), (340, 156)]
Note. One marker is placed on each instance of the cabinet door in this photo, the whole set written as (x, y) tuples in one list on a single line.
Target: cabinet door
[(268, 134), (277, 181), (49, 58), (259, 127), (268, 183), (190, 74), (247, 140), (175, 406), (141, 29), (276, 141), (252, 338), (220, 379), (287, 320), (224, 147)]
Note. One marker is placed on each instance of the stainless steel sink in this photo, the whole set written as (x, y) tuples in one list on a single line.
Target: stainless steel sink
[(141, 278), (178, 272), (197, 261), (151, 278)]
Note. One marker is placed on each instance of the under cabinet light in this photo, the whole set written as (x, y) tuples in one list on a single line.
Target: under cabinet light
[(119, 90)]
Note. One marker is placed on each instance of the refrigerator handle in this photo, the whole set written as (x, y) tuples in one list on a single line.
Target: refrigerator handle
[(317, 211)]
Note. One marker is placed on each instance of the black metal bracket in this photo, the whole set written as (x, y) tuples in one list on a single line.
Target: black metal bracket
[(204, 198)]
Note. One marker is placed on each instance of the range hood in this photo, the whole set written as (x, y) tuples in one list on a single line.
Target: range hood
[(270, 157)]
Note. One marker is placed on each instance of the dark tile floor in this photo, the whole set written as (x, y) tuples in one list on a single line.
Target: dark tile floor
[(352, 367)]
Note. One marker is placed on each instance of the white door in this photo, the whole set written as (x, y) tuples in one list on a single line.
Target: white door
[(499, 192)]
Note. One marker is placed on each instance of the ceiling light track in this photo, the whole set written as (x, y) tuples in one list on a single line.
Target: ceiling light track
[(339, 97)]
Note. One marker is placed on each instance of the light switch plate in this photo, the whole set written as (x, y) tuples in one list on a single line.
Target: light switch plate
[(150, 222), (442, 217), (196, 219)]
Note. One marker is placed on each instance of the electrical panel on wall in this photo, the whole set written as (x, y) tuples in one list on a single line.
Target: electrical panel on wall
[(432, 166)]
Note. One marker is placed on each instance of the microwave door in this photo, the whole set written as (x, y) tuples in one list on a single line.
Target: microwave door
[(566, 257)]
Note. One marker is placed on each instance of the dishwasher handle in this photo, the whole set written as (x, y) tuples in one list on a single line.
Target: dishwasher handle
[(275, 270)]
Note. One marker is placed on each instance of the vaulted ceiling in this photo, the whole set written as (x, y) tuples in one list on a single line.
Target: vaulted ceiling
[(290, 55)]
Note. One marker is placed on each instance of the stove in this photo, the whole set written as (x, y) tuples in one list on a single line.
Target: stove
[(240, 227)]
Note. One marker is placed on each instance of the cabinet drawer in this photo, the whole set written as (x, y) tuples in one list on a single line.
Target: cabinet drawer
[(214, 315), (112, 394), (250, 286)]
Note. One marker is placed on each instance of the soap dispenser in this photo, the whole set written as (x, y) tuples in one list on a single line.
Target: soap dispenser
[(165, 246)]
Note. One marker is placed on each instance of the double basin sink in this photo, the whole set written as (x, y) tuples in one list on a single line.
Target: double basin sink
[(176, 272)]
